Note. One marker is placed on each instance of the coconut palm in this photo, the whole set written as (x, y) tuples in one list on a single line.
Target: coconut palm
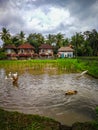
[(21, 37), (5, 36)]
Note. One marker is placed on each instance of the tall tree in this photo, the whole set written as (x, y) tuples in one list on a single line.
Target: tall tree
[(66, 42), (94, 42), (5, 36), (77, 41), (59, 39), (92, 38), (36, 40), (21, 37), (15, 40), (50, 39)]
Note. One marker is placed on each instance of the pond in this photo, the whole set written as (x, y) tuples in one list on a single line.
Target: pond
[(44, 94)]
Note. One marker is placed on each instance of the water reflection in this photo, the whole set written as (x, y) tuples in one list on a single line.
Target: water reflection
[(44, 94)]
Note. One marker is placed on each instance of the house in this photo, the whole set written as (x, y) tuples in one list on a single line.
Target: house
[(25, 51), (65, 52), (46, 50), (10, 51)]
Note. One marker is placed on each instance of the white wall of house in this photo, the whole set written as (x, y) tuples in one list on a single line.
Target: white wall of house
[(25, 51), (10, 51), (66, 54), (47, 51)]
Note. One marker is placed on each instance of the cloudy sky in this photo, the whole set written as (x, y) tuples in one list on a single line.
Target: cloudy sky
[(49, 16)]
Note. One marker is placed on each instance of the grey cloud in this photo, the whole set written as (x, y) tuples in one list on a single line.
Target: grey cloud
[(3, 3), (82, 10)]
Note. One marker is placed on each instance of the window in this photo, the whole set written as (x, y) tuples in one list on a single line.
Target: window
[(22, 51)]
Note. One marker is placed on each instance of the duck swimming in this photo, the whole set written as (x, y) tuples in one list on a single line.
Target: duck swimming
[(15, 77), (71, 92)]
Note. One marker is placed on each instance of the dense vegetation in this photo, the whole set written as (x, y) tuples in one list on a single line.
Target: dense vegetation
[(84, 43), (58, 65)]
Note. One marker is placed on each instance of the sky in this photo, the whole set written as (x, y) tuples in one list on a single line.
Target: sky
[(49, 16)]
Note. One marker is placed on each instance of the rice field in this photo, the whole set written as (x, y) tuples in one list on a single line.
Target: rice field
[(47, 65)]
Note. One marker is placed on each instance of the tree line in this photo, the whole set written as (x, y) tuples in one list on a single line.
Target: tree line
[(84, 43)]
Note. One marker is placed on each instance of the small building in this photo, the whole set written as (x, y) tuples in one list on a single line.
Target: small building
[(10, 51), (46, 50), (65, 52), (25, 51)]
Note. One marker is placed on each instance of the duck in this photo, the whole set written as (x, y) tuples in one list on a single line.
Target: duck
[(9, 76), (84, 72), (15, 77), (71, 92), (81, 74), (6, 77)]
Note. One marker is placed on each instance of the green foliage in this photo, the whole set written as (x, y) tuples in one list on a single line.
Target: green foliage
[(84, 44), (2, 55), (17, 121), (97, 114), (60, 65), (96, 110)]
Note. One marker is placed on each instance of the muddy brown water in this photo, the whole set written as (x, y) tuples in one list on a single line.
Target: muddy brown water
[(44, 94)]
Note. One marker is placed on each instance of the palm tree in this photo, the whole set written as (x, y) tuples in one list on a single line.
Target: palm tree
[(59, 39), (50, 39), (15, 40), (94, 42), (36, 40), (21, 37), (5, 36), (92, 38), (77, 40)]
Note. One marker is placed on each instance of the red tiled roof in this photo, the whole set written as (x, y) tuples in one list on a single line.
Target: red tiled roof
[(45, 46), (65, 49), (10, 46), (26, 46)]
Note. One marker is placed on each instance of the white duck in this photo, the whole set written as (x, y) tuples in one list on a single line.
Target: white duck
[(15, 77), (10, 75), (84, 72), (81, 74)]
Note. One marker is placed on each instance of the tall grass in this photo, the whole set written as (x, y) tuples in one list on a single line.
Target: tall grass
[(91, 65), (58, 65)]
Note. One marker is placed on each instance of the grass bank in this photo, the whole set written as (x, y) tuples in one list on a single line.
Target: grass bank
[(19, 121), (91, 64)]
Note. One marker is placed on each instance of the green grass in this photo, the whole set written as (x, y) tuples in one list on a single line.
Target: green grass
[(91, 65), (19, 121), (61, 65)]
